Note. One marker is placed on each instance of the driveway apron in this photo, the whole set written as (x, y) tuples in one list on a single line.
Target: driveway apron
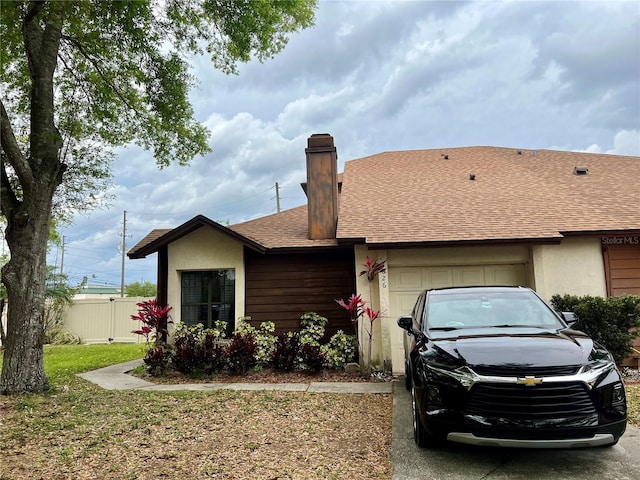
[(465, 462)]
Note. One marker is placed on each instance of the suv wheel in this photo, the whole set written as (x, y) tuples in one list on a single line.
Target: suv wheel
[(420, 435)]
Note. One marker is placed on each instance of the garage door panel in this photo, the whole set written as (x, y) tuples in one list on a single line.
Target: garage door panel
[(405, 278), (468, 276), (505, 275), (436, 277), (404, 302), (407, 282)]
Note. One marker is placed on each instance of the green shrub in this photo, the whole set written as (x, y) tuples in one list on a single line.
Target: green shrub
[(210, 352), (186, 338), (340, 350), (222, 328), (264, 338), (240, 353), (156, 360), (286, 352), (197, 349), (59, 336), (607, 320), (312, 328), (312, 358)]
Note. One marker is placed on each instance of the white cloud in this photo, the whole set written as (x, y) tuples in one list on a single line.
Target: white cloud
[(626, 142)]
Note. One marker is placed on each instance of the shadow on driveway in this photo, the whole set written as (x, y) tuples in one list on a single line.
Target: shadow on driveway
[(464, 462)]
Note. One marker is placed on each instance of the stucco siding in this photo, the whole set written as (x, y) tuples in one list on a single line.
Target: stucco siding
[(575, 266), (204, 249)]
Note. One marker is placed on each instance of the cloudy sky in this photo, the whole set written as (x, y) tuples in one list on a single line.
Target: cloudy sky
[(379, 76)]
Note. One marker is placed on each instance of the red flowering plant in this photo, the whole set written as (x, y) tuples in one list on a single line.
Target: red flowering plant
[(373, 268), (155, 320), (356, 306)]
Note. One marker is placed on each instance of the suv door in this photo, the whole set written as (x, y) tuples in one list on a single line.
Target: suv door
[(409, 339)]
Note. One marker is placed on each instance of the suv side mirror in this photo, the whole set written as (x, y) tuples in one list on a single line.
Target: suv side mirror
[(570, 318), (406, 323)]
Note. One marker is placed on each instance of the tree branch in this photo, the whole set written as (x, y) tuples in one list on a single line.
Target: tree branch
[(11, 149), (8, 200), (41, 41), (76, 43), (34, 9)]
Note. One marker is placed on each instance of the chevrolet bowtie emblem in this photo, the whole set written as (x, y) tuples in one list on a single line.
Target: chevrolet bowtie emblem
[(529, 381)]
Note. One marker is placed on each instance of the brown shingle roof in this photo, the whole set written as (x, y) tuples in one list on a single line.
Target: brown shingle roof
[(286, 229), (151, 237), (419, 196)]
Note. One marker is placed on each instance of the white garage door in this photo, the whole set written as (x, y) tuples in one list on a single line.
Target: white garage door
[(405, 283)]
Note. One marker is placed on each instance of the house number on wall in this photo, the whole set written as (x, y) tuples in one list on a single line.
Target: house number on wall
[(383, 279)]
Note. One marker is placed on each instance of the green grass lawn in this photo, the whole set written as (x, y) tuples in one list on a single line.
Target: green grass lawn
[(64, 361)]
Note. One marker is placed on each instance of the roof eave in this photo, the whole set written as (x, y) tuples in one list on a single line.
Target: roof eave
[(458, 243), (628, 231), (186, 228)]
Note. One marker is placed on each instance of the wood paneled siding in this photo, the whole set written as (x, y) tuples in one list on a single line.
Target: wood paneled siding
[(622, 269), (281, 287)]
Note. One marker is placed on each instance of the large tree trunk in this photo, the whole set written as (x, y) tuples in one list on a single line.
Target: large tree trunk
[(28, 209), (24, 276)]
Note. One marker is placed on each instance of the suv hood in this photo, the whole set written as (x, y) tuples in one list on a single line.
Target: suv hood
[(551, 348)]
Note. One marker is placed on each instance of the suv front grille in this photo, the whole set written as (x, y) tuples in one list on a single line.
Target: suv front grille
[(547, 400), (523, 371)]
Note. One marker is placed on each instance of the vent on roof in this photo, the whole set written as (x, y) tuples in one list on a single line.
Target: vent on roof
[(472, 176), (445, 156), (580, 170), (519, 152)]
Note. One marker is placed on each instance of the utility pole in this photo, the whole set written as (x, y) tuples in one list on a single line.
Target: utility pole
[(277, 198), (124, 248), (62, 257)]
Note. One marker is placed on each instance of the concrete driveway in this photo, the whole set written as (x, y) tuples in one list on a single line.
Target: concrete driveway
[(462, 462)]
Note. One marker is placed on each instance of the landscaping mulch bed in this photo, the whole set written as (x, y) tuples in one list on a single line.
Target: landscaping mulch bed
[(266, 375)]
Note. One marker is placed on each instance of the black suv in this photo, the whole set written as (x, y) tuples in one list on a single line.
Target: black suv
[(497, 366)]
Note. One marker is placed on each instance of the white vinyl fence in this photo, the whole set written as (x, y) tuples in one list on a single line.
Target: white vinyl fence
[(104, 320), (101, 320)]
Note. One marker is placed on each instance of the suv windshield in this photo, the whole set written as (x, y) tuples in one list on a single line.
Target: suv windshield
[(473, 309)]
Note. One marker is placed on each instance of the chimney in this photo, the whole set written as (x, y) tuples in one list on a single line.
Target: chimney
[(322, 186)]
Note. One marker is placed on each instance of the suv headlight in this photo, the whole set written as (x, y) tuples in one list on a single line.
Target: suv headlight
[(463, 375), (595, 370)]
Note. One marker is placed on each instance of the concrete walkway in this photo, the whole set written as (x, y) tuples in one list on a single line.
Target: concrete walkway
[(115, 377)]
